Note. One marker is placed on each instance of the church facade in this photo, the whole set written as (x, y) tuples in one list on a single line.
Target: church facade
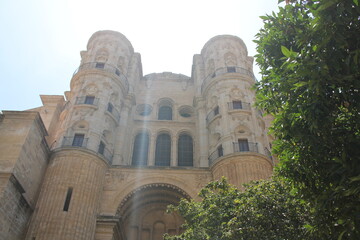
[(104, 161)]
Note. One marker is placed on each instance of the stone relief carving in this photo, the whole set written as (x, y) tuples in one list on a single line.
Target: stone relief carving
[(236, 93), (230, 59), (202, 180), (102, 55), (81, 113), (227, 46), (112, 179), (91, 90)]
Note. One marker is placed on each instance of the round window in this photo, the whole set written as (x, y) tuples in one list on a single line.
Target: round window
[(144, 109), (186, 111)]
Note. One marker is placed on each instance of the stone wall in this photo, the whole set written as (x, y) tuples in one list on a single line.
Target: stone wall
[(15, 212), (23, 161)]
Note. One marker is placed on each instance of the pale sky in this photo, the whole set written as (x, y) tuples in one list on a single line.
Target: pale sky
[(41, 40)]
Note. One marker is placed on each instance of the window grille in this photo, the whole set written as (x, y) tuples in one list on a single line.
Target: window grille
[(140, 150), (165, 113), (243, 145), (101, 147), (78, 140), (185, 150), (163, 150), (231, 69), (89, 100), (100, 65), (237, 105)]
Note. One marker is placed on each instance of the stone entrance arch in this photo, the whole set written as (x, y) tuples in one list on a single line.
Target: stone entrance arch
[(143, 213)]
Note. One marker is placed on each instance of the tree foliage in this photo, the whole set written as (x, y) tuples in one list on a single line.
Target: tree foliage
[(267, 209), (309, 56)]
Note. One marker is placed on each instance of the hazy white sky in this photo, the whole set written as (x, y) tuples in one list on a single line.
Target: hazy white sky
[(41, 39)]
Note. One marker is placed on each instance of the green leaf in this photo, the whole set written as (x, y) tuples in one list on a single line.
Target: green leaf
[(356, 2), (285, 51), (341, 235), (355, 179)]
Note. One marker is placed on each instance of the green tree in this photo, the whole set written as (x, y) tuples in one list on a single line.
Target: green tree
[(267, 209), (309, 56)]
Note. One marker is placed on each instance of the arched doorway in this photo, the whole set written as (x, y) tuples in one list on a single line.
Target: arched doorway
[(143, 212)]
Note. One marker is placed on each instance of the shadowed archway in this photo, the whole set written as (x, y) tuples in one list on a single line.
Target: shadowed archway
[(143, 212)]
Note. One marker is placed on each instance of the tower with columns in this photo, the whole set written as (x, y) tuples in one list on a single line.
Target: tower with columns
[(122, 146)]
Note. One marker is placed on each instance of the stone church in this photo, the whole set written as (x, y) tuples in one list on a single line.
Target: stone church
[(103, 161)]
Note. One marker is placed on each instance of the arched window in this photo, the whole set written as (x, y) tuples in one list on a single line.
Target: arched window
[(165, 113), (185, 150), (140, 151), (163, 150)]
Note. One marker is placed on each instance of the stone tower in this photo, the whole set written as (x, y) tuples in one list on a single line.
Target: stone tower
[(228, 123), (123, 146)]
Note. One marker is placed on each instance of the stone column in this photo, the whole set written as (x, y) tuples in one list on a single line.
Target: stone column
[(151, 154), (122, 131), (202, 132), (173, 161)]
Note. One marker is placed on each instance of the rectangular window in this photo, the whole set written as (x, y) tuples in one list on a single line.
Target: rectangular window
[(237, 105), (243, 145), (110, 107), (68, 199), (216, 110), (78, 140), (100, 65), (101, 147), (231, 69), (220, 151), (89, 100)]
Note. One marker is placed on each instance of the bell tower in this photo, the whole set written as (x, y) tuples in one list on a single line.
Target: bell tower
[(90, 139), (230, 127)]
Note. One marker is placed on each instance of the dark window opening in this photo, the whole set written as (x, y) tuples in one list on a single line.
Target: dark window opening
[(163, 150), (220, 151), (110, 107), (89, 100), (100, 65), (213, 75), (243, 145), (78, 140), (140, 150), (101, 147), (67, 199), (185, 150), (231, 69), (237, 105), (216, 110), (165, 113), (117, 72)]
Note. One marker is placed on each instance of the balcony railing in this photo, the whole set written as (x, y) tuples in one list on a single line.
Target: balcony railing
[(239, 147), (211, 115), (112, 110), (107, 68), (74, 142), (225, 70), (246, 147), (106, 153), (215, 155), (83, 143), (235, 105), (87, 100)]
